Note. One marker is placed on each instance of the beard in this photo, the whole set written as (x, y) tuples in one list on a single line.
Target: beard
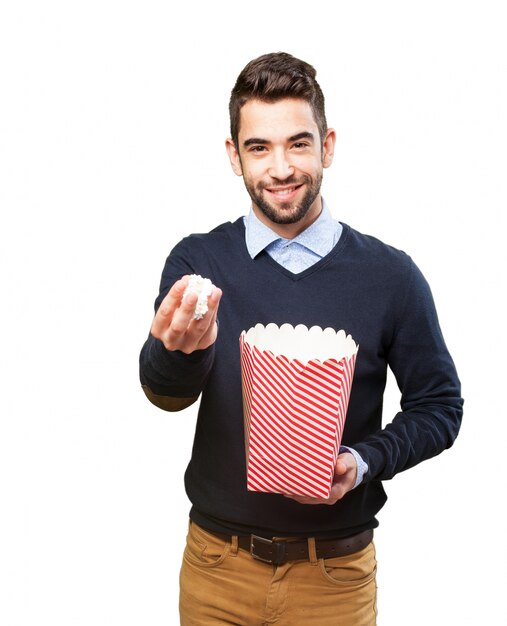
[(285, 212)]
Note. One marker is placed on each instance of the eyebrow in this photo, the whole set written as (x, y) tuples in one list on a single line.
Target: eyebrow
[(265, 142), (304, 135)]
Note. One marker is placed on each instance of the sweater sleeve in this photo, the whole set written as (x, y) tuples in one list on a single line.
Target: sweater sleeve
[(171, 379), (431, 403), (173, 373)]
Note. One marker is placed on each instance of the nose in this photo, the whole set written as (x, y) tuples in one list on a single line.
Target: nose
[(280, 166)]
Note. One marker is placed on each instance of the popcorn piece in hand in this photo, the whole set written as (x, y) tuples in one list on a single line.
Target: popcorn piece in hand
[(202, 287)]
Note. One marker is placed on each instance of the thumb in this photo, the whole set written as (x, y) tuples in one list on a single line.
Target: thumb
[(340, 468)]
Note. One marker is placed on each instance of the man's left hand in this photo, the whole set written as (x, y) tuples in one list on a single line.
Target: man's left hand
[(345, 473)]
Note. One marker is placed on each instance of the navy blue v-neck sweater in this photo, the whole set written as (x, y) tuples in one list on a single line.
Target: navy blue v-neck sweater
[(372, 291)]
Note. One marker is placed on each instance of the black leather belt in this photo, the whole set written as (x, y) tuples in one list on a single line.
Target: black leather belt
[(278, 551)]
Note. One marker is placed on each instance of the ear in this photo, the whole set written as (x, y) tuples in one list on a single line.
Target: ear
[(328, 147), (233, 157)]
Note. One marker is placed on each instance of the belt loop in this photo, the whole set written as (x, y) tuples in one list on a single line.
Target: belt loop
[(234, 545), (312, 551)]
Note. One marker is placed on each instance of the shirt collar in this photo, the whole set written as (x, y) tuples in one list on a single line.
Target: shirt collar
[(319, 237)]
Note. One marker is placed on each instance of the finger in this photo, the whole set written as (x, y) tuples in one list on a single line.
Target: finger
[(213, 302), (182, 316), (197, 328), (340, 468), (214, 298), (168, 306), (210, 330), (173, 298), (344, 463)]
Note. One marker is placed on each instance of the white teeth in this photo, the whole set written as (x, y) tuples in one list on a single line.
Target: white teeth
[(283, 192)]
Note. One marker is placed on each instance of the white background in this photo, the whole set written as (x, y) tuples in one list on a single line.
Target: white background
[(112, 121)]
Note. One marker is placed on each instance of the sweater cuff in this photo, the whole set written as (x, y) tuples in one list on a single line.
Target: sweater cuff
[(174, 373)]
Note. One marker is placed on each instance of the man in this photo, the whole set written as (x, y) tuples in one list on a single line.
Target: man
[(289, 261)]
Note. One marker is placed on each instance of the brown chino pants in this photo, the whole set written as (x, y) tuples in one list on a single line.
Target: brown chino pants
[(221, 584)]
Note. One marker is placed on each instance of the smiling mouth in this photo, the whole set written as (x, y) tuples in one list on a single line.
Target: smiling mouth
[(283, 192)]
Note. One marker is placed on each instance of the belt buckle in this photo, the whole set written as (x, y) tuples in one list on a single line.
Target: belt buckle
[(276, 552)]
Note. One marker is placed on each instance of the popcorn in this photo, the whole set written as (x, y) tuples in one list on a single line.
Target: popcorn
[(296, 387), (203, 288)]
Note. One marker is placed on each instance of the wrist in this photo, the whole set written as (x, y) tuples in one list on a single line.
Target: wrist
[(362, 467)]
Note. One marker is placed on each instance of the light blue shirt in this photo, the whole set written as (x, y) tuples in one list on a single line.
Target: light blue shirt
[(297, 255)]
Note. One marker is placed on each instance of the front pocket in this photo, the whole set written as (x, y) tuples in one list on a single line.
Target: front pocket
[(203, 548), (353, 571)]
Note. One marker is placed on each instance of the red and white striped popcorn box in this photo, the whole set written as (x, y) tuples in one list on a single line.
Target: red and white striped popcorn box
[(296, 388)]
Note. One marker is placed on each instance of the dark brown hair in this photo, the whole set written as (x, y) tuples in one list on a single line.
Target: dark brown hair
[(273, 77)]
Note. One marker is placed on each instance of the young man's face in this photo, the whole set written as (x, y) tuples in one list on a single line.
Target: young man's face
[(281, 160)]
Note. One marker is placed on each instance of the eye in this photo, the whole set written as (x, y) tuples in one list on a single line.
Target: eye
[(300, 145), (257, 149)]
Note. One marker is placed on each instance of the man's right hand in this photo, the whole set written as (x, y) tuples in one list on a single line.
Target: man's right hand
[(174, 322)]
